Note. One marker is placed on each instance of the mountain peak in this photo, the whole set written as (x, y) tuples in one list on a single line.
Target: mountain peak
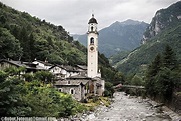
[(130, 22), (127, 22)]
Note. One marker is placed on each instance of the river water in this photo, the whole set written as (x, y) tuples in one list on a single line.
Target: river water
[(127, 108)]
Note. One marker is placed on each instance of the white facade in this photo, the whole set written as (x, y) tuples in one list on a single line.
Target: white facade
[(92, 41), (44, 65), (62, 72)]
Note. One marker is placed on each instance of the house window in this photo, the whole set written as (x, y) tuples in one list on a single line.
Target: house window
[(60, 90), (68, 82), (72, 91)]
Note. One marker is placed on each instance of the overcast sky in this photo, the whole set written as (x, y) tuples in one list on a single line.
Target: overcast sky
[(73, 15)]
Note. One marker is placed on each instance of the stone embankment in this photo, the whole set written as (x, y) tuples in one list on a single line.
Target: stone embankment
[(129, 108)]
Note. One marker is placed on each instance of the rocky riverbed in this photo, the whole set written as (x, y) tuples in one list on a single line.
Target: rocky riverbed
[(130, 108)]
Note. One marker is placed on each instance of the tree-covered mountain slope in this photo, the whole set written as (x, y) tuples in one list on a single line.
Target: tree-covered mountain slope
[(119, 36), (23, 37), (136, 60)]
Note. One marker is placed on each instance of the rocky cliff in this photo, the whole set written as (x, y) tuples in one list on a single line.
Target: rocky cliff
[(163, 19)]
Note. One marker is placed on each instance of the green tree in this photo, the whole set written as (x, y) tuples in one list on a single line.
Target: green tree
[(118, 78), (152, 71), (109, 90), (2, 19), (32, 46), (40, 102), (169, 58), (9, 46), (164, 84), (163, 78), (44, 76), (11, 89), (155, 66), (137, 80), (24, 40)]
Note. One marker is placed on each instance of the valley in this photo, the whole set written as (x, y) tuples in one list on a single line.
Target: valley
[(45, 71)]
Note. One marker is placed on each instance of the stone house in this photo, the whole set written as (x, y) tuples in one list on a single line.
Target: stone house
[(98, 84), (77, 86)]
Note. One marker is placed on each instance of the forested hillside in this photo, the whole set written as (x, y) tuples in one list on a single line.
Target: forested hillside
[(25, 38)]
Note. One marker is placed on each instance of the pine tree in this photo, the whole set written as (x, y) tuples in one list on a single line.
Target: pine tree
[(169, 58), (165, 84), (32, 47), (152, 71), (24, 40), (155, 66), (163, 76)]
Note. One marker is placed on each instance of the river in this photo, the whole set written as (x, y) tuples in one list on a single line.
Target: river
[(128, 108)]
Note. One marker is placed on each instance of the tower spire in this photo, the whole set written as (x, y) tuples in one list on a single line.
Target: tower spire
[(92, 15)]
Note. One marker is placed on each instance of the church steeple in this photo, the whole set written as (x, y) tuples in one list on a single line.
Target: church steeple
[(92, 25), (92, 46), (92, 20)]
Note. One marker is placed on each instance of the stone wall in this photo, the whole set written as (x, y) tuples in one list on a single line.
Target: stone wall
[(76, 91)]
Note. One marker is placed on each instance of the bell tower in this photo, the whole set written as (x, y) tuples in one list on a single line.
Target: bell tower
[(92, 48)]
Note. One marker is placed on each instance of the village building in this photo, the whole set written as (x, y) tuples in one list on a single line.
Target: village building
[(43, 64), (77, 86), (62, 72), (29, 67)]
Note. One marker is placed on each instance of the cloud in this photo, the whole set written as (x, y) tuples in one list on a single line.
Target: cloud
[(73, 15)]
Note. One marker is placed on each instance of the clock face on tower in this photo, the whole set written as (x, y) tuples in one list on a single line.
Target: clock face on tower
[(92, 49)]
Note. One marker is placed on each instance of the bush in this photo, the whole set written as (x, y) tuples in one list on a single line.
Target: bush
[(23, 98)]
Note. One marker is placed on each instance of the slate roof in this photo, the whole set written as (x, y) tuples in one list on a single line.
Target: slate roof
[(45, 63), (71, 82), (27, 65), (67, 68), (77, 77), (82, 67), (92, 20)]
